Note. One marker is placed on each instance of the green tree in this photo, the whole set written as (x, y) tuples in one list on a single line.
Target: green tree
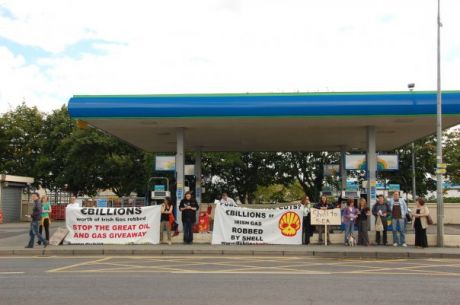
[(237, 173), (279, 193), (425, 160), (58, 155), (306, 169), (21, 139), (95, 161), (56, 128), (452, 155)]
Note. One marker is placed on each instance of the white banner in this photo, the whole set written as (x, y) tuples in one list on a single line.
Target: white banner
[(130, 225), (323, 217), (242, 226)]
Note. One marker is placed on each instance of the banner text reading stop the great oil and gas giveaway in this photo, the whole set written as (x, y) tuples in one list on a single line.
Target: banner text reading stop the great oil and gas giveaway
[(129, 225), (241, 226)]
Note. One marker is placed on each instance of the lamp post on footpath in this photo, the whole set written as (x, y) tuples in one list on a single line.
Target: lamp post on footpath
[(439, 166), (411, 87)]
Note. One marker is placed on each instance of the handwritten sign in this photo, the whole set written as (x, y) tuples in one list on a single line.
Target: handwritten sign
[(325, 217)]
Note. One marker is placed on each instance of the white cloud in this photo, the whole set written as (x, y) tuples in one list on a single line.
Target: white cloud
[(225, 46)]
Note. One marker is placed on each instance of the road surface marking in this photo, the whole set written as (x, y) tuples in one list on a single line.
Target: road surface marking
[(80, 264)]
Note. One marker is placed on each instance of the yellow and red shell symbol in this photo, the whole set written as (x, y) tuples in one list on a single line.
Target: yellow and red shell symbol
[(289, 224)]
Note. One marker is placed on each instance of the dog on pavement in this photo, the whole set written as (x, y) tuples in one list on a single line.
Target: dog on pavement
[(351, 241)]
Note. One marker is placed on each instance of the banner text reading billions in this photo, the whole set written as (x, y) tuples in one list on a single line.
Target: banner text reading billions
[(131, 225), (241, 226)]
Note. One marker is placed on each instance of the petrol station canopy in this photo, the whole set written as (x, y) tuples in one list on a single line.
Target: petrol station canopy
[(267, 122)]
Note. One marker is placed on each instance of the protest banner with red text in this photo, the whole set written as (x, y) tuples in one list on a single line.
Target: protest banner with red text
[(129, 225)]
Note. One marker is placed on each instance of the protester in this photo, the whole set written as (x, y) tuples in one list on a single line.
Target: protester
[(398, 209), (420, 223), (227, 201), (73, 203), (363, 223), (307, 229), (350, 213), (381, 210), (188, 206), (166, 211), (323, 205), (45, 221), (35, 220)]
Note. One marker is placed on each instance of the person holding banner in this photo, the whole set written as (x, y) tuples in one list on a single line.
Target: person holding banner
[(323, 205), (166, 211), (227, 201), (73, 203), (350, 213), (188, 206), (307, 230)]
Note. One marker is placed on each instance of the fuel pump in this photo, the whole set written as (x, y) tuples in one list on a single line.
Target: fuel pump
[(158, 188)]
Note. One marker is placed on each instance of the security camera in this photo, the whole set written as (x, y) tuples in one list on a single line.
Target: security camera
[(411, 86)]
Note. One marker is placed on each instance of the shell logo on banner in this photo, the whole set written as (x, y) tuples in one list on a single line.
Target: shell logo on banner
[(289, 224)]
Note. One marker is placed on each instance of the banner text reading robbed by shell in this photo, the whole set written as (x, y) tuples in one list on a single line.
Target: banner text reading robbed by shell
[(242, 226)]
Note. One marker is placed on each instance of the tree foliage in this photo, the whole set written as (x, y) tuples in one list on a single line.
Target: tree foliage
[(425, 163), (452, 156), (239, 174), (306, 169), (21, 139), (58, 155)]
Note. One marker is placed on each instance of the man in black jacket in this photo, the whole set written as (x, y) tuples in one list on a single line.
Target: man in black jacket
[(381, 210), (35, 221), (188, 206)]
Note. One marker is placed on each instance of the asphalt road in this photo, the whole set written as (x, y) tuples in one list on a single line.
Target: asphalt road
[(227, 280)]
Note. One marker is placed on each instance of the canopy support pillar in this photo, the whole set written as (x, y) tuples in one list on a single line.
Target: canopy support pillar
[(371, 170), (180, 160)]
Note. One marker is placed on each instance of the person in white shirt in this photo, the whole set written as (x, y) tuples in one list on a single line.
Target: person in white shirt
[(73, 202), (227, 201)]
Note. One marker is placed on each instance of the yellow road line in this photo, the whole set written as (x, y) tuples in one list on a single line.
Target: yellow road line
[(249, 272), (79, 264)]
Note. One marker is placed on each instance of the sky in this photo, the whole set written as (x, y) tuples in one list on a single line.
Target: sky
[(51, 50)]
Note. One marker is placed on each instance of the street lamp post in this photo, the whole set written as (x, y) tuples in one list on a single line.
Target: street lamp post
[(414, 185), (439, 192)]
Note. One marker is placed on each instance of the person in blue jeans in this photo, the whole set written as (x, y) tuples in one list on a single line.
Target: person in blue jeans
[(398, 207), (350, 213), (36, 217)]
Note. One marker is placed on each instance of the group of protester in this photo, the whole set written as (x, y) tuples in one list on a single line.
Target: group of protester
[(352, 216), (188, 208), (360, 216)]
